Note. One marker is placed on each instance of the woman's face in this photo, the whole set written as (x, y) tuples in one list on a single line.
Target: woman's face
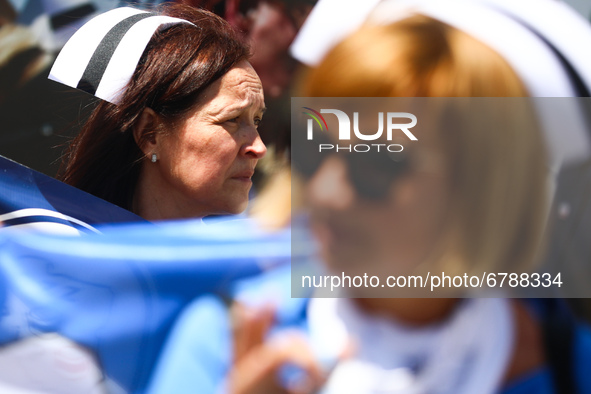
[(389, 235), (205, 167)]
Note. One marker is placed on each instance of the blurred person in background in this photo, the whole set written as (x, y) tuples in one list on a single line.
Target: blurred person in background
[(35, 116), (448, 208), (431, 211)]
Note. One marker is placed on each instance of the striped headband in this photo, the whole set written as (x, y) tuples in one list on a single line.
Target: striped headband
[(102, 55)]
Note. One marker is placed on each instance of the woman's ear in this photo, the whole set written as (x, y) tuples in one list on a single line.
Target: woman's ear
[(144, 132)]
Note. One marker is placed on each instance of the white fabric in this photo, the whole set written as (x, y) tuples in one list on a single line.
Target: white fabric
[(29, 212), (566, 129), (467, 354), (329, 22), (503, 25), (504, 35), (127, 55), (76, 54), (531, 58), (48, 364), (572, 36)]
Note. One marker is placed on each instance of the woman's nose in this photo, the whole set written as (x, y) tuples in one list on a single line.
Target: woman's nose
[(255, 149), (329, 187)]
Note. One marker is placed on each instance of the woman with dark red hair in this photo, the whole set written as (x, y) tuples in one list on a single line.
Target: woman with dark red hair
[(176, 133)]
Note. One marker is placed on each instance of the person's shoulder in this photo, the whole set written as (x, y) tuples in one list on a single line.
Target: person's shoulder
[(541, 380), (198, 351), (566, 338)]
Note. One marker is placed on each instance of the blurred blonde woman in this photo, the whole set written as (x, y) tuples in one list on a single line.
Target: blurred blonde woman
[(467, 199), (482, 204)]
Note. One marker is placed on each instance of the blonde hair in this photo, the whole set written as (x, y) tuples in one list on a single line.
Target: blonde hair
[(498, 172)]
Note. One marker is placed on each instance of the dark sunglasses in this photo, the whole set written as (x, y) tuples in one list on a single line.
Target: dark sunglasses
[(371, 173)]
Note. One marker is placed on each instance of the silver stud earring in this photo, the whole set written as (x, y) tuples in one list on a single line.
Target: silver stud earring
[(154, 158)]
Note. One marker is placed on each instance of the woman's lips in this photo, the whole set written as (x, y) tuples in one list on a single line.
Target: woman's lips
[(244, 176)]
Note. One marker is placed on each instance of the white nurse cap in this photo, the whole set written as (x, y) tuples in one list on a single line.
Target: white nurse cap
[(102, 55)]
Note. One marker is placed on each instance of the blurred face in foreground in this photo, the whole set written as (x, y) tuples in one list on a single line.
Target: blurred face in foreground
[(391, 231), (472, 197)]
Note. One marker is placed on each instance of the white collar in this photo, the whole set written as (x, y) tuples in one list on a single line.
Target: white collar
[(467, 354)]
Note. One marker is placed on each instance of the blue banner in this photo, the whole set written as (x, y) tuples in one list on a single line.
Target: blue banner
[(118, 293), (31, 199), (114, 290)]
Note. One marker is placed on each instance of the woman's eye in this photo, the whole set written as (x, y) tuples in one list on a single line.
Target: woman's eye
[(257, 121), (233, 120)]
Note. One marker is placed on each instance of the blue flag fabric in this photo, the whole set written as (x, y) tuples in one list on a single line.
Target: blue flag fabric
[(28, 197), (117, 288), (118, 293)]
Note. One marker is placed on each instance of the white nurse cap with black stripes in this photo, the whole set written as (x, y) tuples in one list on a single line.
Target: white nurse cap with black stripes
[(540, 39), (544, 41), (102, 56)]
